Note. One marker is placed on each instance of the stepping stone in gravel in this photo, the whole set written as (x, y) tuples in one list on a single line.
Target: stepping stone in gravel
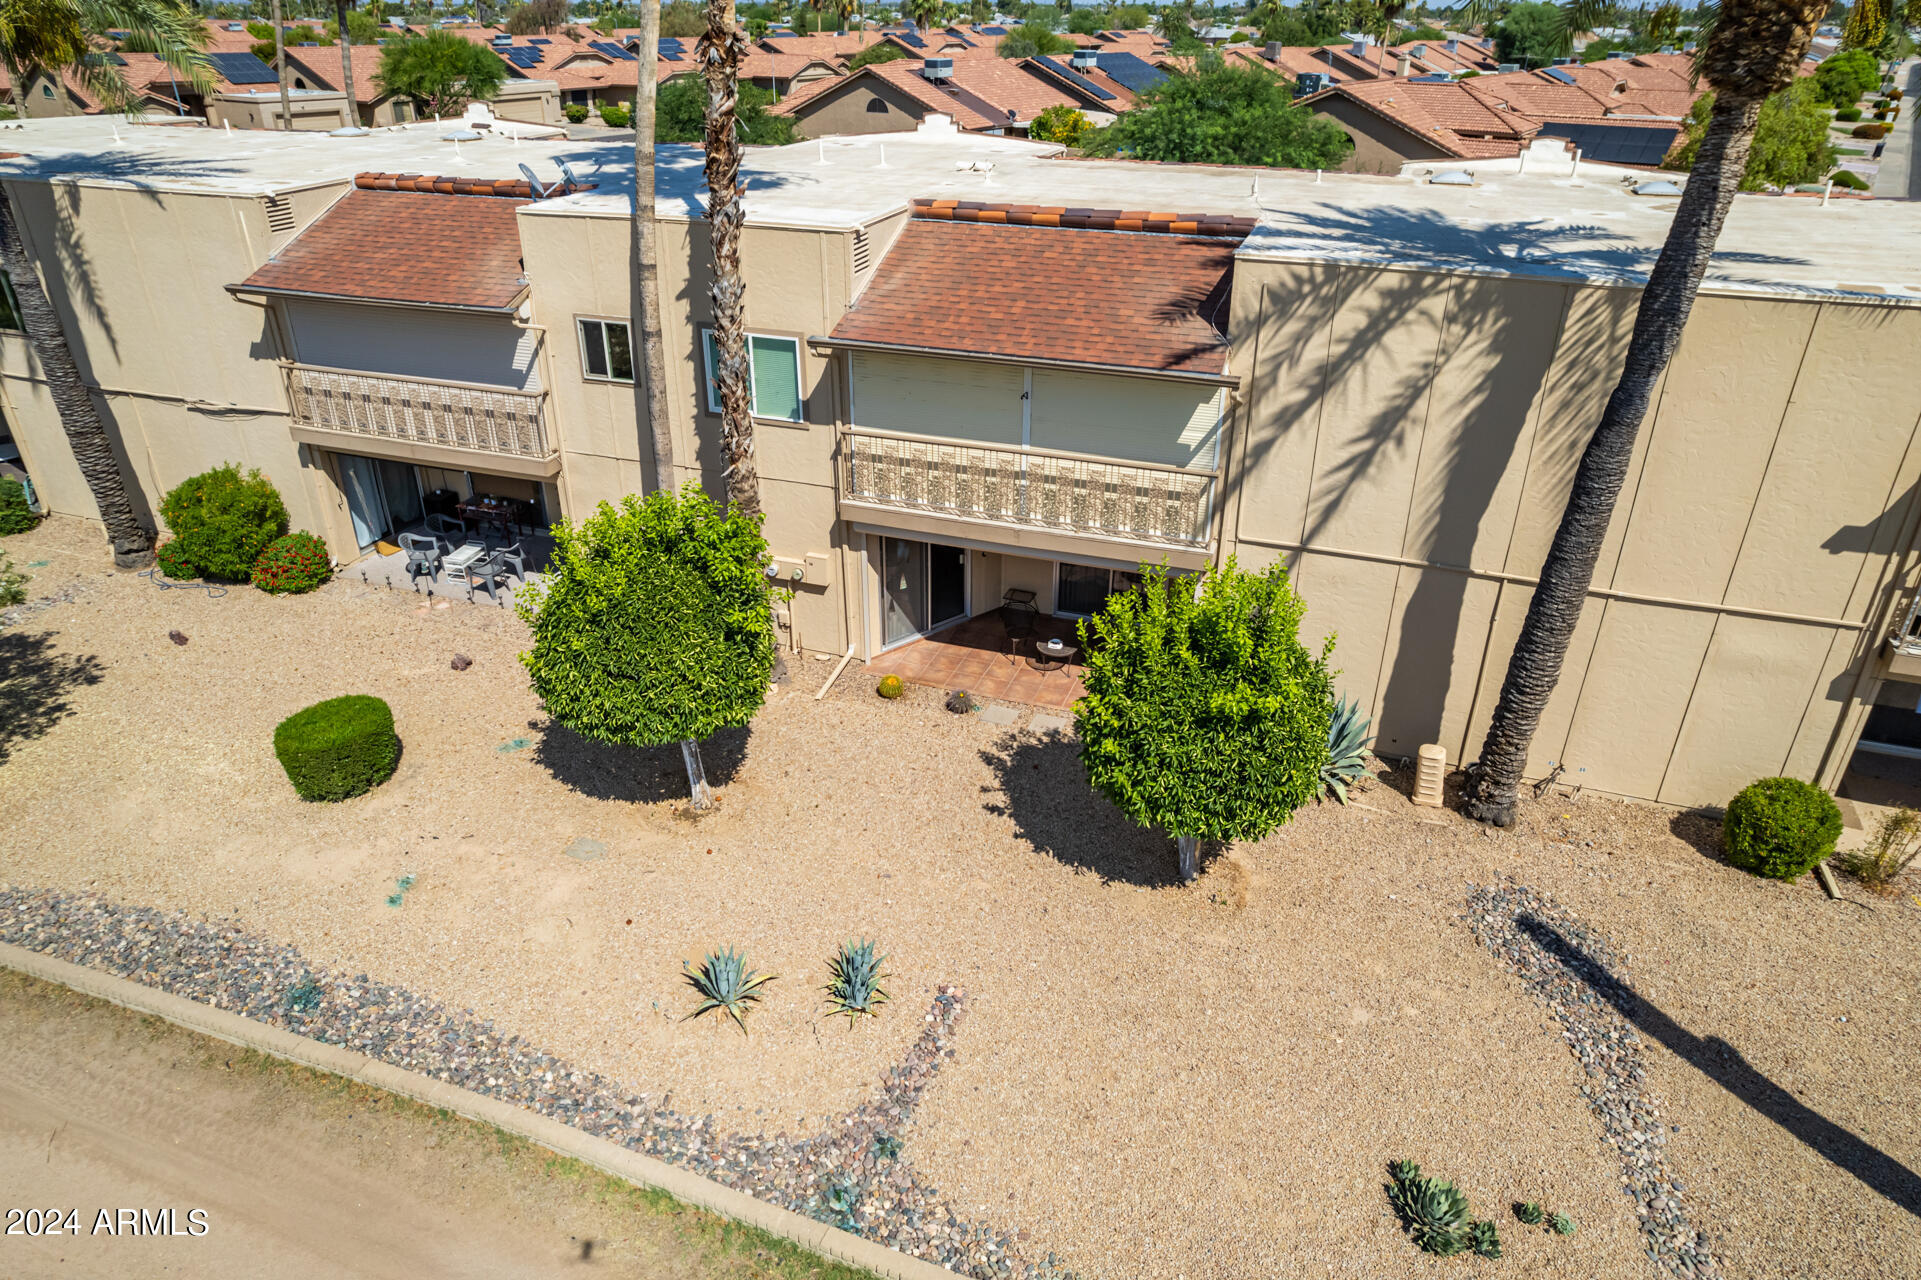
[(1048, 724), (586, 850), (999, 715), (514, 744)]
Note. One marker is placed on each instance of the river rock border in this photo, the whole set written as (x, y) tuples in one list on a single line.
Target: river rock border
[(1576, 971), (853, 1175)]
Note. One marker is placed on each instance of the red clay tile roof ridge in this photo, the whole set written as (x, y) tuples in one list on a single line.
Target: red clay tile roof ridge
[(1084, 219), (440, 184)]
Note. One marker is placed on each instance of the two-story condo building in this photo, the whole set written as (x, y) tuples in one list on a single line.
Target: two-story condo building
[(981, 368)]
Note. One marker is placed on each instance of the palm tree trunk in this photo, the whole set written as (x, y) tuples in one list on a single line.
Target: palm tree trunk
[(347, 64), (650, 390), (721, 49), (1555, 610), (86, 434), (280, 69)]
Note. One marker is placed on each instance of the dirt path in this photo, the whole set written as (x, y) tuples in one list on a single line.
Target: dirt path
[(297, 1173)]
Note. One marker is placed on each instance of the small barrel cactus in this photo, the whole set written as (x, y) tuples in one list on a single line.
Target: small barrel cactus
[(890, 687)]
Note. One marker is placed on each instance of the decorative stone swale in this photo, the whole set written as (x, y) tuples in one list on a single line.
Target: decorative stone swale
[(1576, 972), (851, 1175)]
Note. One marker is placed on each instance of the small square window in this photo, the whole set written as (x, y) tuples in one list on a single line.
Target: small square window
[(606, 351), (773, 376)]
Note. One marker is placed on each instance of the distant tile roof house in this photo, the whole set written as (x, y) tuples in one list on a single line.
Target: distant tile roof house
[(1395, 121), (1166, 313), (982, 94), (406, 248)]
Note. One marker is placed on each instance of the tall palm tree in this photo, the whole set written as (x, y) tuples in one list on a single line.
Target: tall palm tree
[(650, 389), (922, 13), (280, 69), (46, 38), (720, 49), (347, 62), (1752, 53)]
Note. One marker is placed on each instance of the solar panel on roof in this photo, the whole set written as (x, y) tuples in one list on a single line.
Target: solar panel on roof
[(1559, 74), (539, 40), (993, 31), (1074, 78), (1131, 70), (611, 49), (911, 39), (242, 68), (1615, 143)]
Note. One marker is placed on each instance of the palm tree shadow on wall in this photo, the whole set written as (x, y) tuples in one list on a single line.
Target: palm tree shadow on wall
[(1465, 444)]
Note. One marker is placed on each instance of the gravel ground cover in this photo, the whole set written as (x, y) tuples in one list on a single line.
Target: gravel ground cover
[(1150, 1080)]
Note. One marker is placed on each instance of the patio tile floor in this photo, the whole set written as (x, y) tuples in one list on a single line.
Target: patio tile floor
[(973, 655)]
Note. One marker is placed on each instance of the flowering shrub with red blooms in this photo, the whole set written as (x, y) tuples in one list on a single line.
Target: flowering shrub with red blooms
[(172, 563), (292, 564)]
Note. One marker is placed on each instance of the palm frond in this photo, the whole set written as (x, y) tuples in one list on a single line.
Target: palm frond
[(48, 37)]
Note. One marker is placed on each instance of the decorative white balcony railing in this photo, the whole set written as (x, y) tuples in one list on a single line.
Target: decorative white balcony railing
[(1038, 488), (452, 415)]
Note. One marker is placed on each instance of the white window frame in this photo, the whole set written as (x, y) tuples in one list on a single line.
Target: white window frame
[(580, 338), (711, 383)]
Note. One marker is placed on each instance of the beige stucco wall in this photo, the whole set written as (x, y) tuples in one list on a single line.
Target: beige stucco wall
[(798, 285), (312, 112), (1407, 446), (846, 110), (1379, 146), (128, 298)]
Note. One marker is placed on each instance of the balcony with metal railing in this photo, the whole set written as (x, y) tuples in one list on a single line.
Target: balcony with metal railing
[(1041, 489), (423, 420)]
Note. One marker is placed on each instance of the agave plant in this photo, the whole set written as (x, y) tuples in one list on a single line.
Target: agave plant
[(1484, 1238), (727, 984), (1347, 739), (1529, 1212), (1562, 1224), (853, 981), (1435, 1211)]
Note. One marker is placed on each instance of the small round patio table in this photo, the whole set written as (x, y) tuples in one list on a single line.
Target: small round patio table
[(1052, 655)]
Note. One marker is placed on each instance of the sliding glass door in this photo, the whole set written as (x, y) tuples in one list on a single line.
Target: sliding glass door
[(923, 586)]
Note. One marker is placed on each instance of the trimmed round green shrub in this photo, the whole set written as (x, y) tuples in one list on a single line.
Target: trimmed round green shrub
[(222, 521), (1872, 132), (1848, 179), (293, 564), (171, 563), (15, 515), (616, 115), (338, 748), (1848, 115), (1780, 827), (890, 687), (575, 112)]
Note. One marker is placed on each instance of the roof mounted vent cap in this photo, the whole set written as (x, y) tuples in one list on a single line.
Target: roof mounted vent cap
[(937, 68), (1452, 178)]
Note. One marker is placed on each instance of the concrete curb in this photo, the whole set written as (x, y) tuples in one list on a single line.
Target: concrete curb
[(608, 1157)]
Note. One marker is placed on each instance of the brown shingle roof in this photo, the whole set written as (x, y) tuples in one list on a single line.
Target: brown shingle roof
[(406, 247), (1113, 298)]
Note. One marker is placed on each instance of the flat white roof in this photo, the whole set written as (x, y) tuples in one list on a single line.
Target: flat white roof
[(1542, 223)]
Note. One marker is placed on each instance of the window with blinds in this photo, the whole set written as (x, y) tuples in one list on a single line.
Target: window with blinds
[(773, 375)]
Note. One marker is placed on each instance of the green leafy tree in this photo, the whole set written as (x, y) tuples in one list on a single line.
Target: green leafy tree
[(1847, 77), (362, 28), (1205, 715), (653, 624), (885, 51), (1432, 34), (222, 520), (441, 72), (1060, 123), (13, 583), (1030, 40), (1085, 22), (536, 17), (1791, 143), (1129, 17), (1224, 114), (1533, 35), (681, 114), (681, 20)]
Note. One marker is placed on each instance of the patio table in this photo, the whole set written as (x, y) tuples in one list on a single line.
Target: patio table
[(462, 558), (1052, 655)]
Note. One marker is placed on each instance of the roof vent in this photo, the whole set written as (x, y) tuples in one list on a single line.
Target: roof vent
[(1418, 51), (1452, 178), (1453, 45), (863, 254), (1506, 67), (937, 68), (279, 214), (1659, 187), (1360, 48), (1085, 60)]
